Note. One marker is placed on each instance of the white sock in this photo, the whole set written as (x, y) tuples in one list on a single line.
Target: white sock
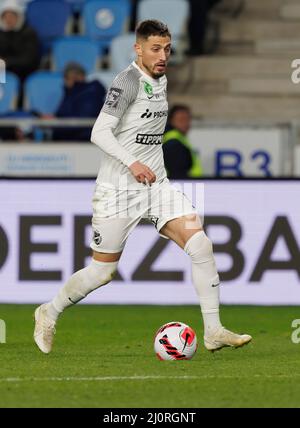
[(206, 279), (80, 285)]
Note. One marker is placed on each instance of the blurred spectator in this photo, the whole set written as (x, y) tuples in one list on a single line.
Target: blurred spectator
[(133, 19), (21, 131), (181, 160), (198, 21), (10, 133), (197, 25), (19, 45), (81, 100)]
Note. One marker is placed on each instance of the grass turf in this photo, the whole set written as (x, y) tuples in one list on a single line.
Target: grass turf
[(117, 341)]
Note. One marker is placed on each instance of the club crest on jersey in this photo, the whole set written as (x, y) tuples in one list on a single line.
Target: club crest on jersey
[(113, 96), (154, 220), (148, 89), (97, 237)]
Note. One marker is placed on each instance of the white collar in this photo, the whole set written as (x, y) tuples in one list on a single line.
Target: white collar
[(154, 81)]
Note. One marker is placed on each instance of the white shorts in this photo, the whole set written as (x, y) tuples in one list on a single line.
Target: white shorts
[(117, 212)]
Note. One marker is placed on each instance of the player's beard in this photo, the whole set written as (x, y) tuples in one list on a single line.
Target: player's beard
[(158, 75), (152, 73)]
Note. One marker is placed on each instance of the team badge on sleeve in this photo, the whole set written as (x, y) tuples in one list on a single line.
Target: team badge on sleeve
[(113, 97)]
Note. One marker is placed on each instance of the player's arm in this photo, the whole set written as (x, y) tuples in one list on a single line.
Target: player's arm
[(103, 136), (122, 93)]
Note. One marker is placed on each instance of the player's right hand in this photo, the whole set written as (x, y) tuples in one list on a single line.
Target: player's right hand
[(142, 173)]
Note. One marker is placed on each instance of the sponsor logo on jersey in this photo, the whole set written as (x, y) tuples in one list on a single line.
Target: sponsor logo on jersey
[(156, 114), (113, 97), (149, 139), (147, 114)]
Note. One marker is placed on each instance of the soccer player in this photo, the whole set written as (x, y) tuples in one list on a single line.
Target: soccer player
[(132, 185)]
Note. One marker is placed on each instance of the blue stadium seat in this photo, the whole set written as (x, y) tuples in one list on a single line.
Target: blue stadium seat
[(105, 77), (174, 13), (105, 19), (76, 5), (75, 49), (122, 52), (48, 17), (9, 93), (127, 3), (26, 2), (43, 92)]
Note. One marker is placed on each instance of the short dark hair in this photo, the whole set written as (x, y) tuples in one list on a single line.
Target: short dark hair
[(74, 67), (152, 27), (178, 107)]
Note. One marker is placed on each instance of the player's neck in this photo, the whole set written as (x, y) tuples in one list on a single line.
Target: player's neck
[(146, 71)]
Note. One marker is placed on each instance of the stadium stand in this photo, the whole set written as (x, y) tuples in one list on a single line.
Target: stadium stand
[(122, 52), (175, 15), (49, 19), (9, 93), (105, 77), (76, 5), (43, 92), (19, 44), (103, 20), (75, 49), (249, 77)]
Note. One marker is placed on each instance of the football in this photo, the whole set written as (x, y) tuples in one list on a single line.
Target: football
[(175, 341)]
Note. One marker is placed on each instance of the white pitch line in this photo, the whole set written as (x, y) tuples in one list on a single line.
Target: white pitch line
[(120, 378)]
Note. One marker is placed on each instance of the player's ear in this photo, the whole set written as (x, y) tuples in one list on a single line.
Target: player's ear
[(138, 49)]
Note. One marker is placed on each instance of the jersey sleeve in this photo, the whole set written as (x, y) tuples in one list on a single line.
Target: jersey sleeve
[(103, 136), (121, 94)]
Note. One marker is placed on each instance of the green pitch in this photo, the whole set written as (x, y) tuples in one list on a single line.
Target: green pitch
[(103, 357)]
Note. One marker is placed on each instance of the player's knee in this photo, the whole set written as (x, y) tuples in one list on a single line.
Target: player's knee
[(110, 274), (95, 275), (199, 247), (103, 272)]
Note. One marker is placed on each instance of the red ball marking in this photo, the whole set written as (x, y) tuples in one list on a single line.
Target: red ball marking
[(188, 335)]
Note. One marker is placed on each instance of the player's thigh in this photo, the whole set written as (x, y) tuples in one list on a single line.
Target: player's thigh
[(181, 229), (110, 235), (175, 216), (111, 223)]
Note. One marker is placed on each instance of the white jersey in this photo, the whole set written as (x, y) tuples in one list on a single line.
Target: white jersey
[(140, 105)]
